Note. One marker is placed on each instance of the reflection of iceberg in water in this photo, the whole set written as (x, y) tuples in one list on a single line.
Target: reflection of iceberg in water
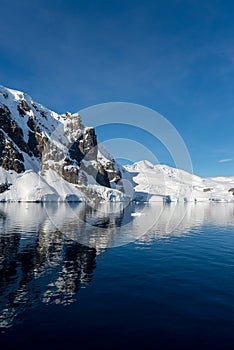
[(47, 252)]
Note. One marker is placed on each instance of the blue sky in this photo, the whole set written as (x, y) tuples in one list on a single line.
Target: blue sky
[(176, 57)]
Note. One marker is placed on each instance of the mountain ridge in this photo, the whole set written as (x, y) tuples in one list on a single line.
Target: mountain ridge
[(164, 183)]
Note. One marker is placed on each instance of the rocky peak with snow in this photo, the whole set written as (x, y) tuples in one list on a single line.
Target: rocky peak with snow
[(36, 139)]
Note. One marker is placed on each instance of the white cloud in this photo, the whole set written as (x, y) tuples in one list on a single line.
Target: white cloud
[(225, 160)]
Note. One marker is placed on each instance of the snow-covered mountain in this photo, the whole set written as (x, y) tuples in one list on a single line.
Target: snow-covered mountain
[(45, 156), (163, 183)]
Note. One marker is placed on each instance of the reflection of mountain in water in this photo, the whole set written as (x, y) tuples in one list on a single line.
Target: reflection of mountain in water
[(47, 252), (37, 265), (179, 218)]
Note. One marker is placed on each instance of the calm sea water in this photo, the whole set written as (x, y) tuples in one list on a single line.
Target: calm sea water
[(155, 276)]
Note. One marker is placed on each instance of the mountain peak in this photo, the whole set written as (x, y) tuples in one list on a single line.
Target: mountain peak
[(38, 140)]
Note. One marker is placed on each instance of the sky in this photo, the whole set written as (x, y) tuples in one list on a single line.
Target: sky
[(173, 56)]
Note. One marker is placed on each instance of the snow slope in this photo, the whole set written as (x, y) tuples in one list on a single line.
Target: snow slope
[(163, 183)]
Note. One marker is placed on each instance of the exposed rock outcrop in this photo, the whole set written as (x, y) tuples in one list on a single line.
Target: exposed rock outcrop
[(10, 157)]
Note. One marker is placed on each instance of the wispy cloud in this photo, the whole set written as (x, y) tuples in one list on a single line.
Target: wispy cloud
[(225, 160)]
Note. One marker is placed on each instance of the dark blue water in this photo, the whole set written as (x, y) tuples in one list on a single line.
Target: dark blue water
[(171, 288)]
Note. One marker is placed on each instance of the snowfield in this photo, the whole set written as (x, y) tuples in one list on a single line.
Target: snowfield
[(159, 183)]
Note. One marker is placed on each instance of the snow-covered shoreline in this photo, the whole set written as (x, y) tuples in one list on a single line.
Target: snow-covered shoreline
[(161, 183), (33, 187), (150, 183)]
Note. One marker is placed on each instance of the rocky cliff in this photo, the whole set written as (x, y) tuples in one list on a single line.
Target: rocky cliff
[(57, 148)]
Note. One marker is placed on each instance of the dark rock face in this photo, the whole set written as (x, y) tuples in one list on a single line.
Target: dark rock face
[(9, 126), (4, 187), (98, 173), (112, 173), (23, 107), (36, 142), (85, 148), (102, 176), (89, 144), (75, 151), (10, 157), (32, 143), (70, 172)]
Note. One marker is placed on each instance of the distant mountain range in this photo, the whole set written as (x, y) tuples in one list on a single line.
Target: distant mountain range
[(45, 156), (163, 183)]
